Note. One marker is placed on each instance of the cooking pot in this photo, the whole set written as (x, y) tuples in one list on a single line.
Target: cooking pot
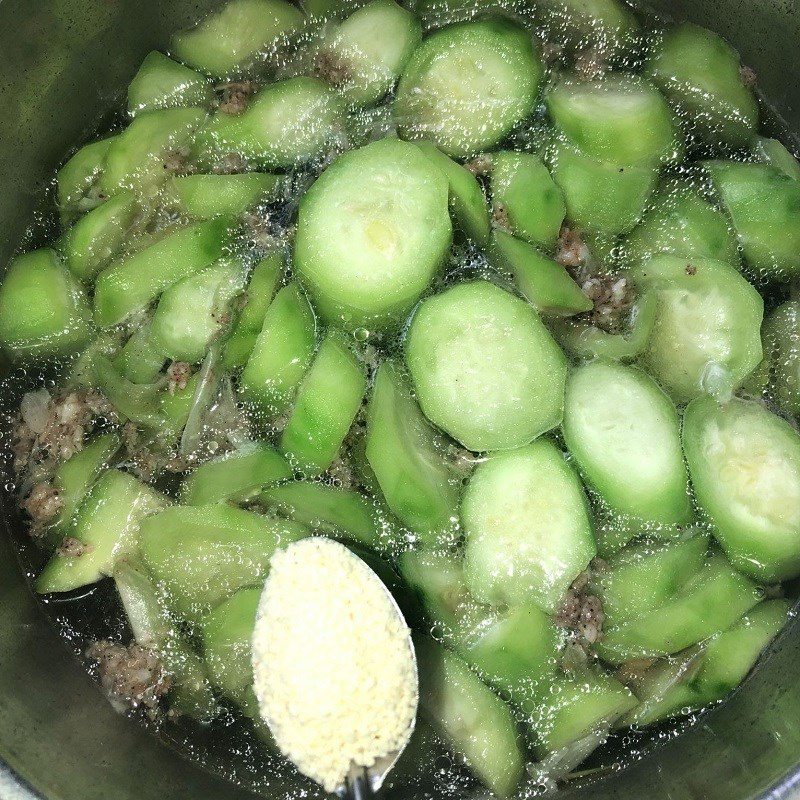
[(64, 67)]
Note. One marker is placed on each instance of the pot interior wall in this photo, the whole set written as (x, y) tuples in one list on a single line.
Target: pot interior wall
[(63, 66)]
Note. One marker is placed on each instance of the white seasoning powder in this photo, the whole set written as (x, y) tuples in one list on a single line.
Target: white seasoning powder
[(334, 670)]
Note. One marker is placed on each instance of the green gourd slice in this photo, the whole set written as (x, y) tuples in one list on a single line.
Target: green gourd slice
[(282, 352), (706, 337), (107, 524), (193, 311), (373, 230), (364, 55), (327, 402), (141, 358), (286, 124), (764, 206), (231, 39), (99, 235), (164, 83), (681, 222), (467, 201), (259, 294), (604, 197), (485, 368), (619, 119), (744, 463), (525, 195), (408, 460), (700, 74), (715, 598), (582, 340), (203, 554), (781, 338), (334, 511), (475, 722), (527, 525), (43, 310), (544, 283), (78, 176), (773, 152), (132, 282), (468, 85), (135, 158), (624, 433), (205, 196), (227, 632), (236, 477)]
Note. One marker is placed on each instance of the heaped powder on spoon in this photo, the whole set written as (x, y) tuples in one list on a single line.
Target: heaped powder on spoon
[(334, 669)]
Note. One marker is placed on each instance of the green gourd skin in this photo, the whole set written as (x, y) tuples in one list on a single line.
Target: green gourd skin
[(744, 463), (286, 124), (764, 207), (493, 62), (43, 310), (544, 283), (326, 405), (236, 477), (527, 197), (405, 453), (260, 291), (699, 73), (282, 352), (164, 83)]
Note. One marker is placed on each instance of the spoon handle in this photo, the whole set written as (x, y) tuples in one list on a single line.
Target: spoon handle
[(358, 787)]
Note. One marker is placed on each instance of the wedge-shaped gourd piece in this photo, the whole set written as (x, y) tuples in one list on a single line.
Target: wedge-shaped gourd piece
[(468, 85), (764, 206), (234, 37), (624, 432), (581, 339), (467, 201), (485, 368), (226, 633), (408, 458), (164, 83), (132, 282), (237, 476), (682, 222), (646, 575), (193, 311), (700, 74), (618, 119), (334, 511), (781, 338), (364, 55), (78, 178), (526, 197), (706, 337), (373, 230), (773, 152), (328, 399), (43, 310), (281, 353), (205, 196), (475, 722), (544, 283), (711, 601), (203, 554), (604, 197), (527, 526), (135, 158), (99, 235), (142, 358), (744, 463), (107, 527), (286, 124)]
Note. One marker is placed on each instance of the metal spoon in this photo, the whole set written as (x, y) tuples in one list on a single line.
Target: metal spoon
[(362, 783)]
